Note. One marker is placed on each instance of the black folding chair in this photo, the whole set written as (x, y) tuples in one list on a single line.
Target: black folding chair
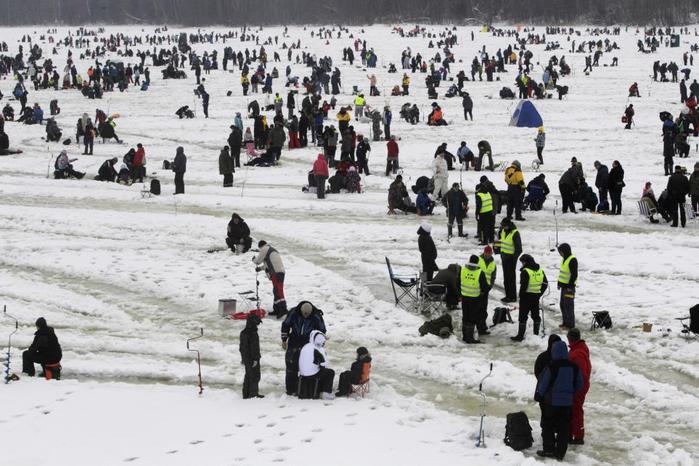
[(405, 288), (691, 329), (431, 298)]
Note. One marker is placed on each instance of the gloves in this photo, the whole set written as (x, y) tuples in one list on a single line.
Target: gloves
[(284, 345), (258, 269)]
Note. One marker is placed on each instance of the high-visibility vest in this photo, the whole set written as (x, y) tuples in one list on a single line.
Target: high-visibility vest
[(486, 202), (506, 243), (564, 275), (470, 282), (278, 99), (488, 268), (359, 101), (536, 279)]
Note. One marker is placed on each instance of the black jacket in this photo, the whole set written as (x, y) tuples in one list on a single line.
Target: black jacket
[(238, 231), (677, 187), (249, 344), (457, 202), (357, 368), (428, 251), (46, 345), (602, 178), (235, 138), (616, 179)]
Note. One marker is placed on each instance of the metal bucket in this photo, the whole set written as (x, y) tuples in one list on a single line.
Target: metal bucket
[(226, 307)]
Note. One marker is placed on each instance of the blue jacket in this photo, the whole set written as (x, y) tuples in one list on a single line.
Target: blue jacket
[(560, 380), (296, 328), (423, 202)]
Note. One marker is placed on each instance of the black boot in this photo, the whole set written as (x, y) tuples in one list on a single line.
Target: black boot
[(537, 325), (449, 231), (520, 334), (468, 334), (460, 227)]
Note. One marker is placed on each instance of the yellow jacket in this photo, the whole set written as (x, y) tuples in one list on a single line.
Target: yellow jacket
[(345, 117), (514, 177)]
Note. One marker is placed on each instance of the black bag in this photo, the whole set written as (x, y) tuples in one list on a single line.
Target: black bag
[(603, 320), (501, 315), (518, 432), (155, 187), (694, 319), (166, 164)]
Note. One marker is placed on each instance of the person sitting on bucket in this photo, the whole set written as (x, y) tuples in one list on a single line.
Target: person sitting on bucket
[(44, 350), (313, 362)]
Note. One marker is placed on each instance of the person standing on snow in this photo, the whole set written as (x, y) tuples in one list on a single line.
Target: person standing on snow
[(556, 388), (629, 113), (467, 104), (226, 167), (485, 214), (235, 141), (579, 355), (509, 246), (486, 262), (532, 285), (440, 175), (313, 362), (392, 152), (567, 280), (321, 173), (428, 251), (540, 143), (677, 190), (474, 286), (515, 190), (269, 260), (250, 357), (179, 166), (457, 207)]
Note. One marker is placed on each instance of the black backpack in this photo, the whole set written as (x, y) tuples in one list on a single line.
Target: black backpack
[(518, 432), (501, 315), (155, 187)]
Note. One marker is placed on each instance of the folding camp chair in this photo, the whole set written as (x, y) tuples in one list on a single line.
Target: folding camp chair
[(691, 329), (405, 288), (601, 319), (431, 297)]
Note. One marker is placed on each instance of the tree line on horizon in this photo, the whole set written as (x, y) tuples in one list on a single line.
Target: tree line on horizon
[(329, 12)]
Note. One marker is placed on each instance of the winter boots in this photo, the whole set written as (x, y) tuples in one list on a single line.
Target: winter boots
[(460, 226), (520, 334), (468, 334), (537, 325)]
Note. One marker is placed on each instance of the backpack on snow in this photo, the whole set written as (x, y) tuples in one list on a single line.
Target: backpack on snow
[(155, 187), (518, 432), (501, 315)]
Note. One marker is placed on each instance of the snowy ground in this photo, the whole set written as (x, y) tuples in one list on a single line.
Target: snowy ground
[(126, 280)]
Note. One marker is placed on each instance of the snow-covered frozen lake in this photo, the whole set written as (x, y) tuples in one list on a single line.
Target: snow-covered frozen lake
[(126, 280)]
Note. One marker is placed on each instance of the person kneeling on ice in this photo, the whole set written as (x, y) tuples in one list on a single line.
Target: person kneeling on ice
[(250, 357), (269, 260), (238, 234), (556, 388), (44, 350), (313, 362), (357, 375)]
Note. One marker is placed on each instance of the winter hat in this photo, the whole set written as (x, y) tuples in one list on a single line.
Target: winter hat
[(361, 351), (487, 249), (573, 334), (526, 259), (426, 227), (574, 160), (473, 260), (254, 319), (597, 163), (517, 164), (40, 322), (261, 243), (678, 168), (484, 179), (306, 309)]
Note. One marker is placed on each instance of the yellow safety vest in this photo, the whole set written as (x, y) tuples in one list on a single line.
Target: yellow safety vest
[(470, 282), (488, 269), (536, 280), (506, 243), (486, 203), (359, 101), (564, 275), (278, 99)]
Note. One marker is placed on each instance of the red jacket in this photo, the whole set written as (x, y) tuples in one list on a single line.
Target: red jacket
[(320, 167), (580, 355), (138, 157), (392, 149)]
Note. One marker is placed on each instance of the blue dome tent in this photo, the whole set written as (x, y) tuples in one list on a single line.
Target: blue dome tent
[(526, 116)]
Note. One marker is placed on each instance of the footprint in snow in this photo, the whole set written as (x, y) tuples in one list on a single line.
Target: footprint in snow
[(271, 424), (351, 414), (171, 452), (257, 440), (283, 448), (350, 423), (261, 416), (307, 440), (240, 425), (227, 435), (128, 460), (196, 442), (291, 416), (278, 460), (317, 430), (46, 412)]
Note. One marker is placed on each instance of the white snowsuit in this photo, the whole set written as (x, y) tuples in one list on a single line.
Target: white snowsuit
[(441, 177)]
